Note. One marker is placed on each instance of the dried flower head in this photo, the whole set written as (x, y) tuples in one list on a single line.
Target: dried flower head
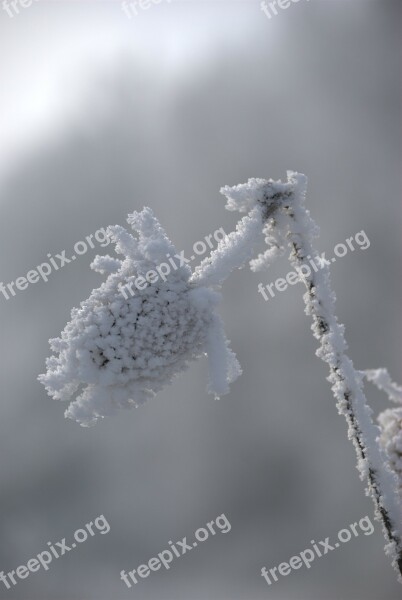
[(118, 350)]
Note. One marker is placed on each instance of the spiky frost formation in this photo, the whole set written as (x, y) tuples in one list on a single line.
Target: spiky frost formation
[(390, 422), (382, 379), (117, 352)]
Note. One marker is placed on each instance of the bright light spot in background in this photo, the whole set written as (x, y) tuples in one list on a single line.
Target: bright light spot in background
[(54, 50)]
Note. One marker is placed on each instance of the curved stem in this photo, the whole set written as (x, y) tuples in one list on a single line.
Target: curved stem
[(239, 247), (232, 252)]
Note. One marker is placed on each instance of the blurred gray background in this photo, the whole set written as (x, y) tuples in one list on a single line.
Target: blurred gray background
[(101, 115)]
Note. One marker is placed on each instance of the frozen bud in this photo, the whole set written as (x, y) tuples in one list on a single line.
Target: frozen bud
[(140, 328)]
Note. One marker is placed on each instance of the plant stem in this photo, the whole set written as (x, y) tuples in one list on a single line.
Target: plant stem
[(347, 382), (279, 208)]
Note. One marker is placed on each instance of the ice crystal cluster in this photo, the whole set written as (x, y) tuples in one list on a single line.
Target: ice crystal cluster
[(117, 352), (390, 420)]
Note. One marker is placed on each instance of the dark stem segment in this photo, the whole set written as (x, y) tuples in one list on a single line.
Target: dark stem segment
[(362, 452), (347, 383)]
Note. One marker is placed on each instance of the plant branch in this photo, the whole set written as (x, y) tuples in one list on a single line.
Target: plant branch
[(346, 381)]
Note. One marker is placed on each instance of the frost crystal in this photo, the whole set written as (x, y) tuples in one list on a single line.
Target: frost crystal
[(117, 352), (381, 378), (390, 422)]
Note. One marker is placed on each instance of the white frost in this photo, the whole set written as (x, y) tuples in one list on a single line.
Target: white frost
[(117, 352), (381, 378)]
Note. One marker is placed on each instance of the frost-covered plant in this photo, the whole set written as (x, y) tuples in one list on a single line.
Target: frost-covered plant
[(390, 421), (291, 226), (116, 352)]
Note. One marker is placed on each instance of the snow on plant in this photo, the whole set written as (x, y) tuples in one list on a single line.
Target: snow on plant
[(290, 225), (115, 353), (382, 379), (390, 421)]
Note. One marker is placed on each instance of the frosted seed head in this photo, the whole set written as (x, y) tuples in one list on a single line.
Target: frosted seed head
[(120, 349)]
